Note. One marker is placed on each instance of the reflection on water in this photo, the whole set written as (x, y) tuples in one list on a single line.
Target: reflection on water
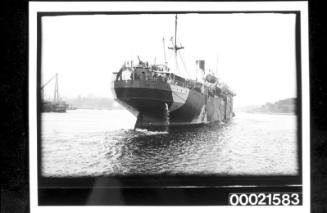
[(103, 142)]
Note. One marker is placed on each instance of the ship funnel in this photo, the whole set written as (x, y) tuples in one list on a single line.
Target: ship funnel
[(200, 64)]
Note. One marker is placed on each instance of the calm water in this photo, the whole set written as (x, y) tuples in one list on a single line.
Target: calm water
[(103, 142)]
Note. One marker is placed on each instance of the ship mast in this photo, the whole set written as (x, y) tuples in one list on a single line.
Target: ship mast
[(175, 47), (56, 94), (164, 48), (56, 89)]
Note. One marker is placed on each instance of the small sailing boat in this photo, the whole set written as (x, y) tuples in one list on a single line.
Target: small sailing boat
[(56, 105)]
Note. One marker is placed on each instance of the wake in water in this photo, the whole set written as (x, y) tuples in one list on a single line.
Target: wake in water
[(149, 132), (74, 144)]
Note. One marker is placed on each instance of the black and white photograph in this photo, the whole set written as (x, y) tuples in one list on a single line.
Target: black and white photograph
[(169, 98), (208, 100)]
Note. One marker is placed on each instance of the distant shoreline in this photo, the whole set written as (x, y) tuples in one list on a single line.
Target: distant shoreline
[(270, 113), (91, 108), (282, 107)]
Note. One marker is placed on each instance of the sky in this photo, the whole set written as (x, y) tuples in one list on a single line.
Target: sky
[(253, 53)]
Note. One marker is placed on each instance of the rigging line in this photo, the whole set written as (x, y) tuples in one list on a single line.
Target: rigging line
[(48, 81), (177, 68), (170, 55), (183, 63)]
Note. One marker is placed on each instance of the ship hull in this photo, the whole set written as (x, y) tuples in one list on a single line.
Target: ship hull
[(53, 107), (161, 104)]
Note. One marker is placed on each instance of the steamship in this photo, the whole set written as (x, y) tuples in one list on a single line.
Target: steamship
[(159, 97)]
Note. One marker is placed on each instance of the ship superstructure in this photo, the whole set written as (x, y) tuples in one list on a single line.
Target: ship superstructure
[(159, 97)]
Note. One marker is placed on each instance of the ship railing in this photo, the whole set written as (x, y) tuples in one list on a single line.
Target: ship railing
[(156, 76), (154, 79)]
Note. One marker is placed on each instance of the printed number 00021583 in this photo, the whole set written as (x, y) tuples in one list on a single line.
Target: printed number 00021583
[(265, 199)]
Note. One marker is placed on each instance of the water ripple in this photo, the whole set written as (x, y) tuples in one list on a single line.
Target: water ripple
[(75, 145)]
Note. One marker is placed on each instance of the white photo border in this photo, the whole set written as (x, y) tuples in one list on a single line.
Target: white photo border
[(35, 7)]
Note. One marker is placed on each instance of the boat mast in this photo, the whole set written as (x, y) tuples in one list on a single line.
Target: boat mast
[(164, 48), (175, 47), (56, 94)]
